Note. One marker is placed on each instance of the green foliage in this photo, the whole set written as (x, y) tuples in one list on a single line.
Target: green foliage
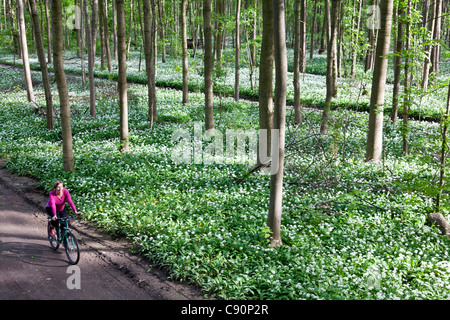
[(344, 221)]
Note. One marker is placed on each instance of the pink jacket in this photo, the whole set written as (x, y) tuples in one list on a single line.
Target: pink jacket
[(57, 204)]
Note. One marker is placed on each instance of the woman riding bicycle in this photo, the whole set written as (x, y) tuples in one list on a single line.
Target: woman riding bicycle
[(56, 204)]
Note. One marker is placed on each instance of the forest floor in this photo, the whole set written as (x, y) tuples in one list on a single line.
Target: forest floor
[(31, 270)]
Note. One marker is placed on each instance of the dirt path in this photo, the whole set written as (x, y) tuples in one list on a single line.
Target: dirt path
[(30, 269)]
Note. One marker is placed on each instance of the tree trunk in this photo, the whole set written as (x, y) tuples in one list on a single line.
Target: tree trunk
[(340, 48), (375, 134), (355, 44), (83, 69), (266, 84), (155, 13), (325, 25), (208, 63), (58, 66), (407, 101), (148, 49), (438, 220), (101, 25), (42, 63), (253, 38), (91, 60), (219, 33), (130, 23), (397, 65), (331, 65), (237, 51), (162, 26), (49, 37), (14, 34), (427, 48), (185, 53), (174, 39), (435, 51), (94, 19), (297, 61), (370, 51), (276, 181), (104, 13), (122, 76), (313, 29), (303, 36), (154, 115), (114, 29), (23, 41)]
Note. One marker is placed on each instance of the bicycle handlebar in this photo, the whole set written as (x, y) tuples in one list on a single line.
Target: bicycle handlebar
[(66, 218)]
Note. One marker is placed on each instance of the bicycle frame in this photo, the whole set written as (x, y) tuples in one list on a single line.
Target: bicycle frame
[(63, 226), (65, 236)]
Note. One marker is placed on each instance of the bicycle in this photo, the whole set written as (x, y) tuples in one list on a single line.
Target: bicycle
[(64, 235)]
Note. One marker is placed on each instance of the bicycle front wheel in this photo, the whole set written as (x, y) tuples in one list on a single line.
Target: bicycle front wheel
[(52, 238), (72, 248)]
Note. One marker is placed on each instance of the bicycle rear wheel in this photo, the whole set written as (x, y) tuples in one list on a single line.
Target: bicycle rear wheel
[(52, 239), (72, 248)]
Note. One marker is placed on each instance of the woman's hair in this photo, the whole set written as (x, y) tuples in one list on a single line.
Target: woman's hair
[(56, 184)]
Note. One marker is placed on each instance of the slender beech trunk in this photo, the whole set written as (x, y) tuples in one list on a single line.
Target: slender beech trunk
[(107, 36), (252, 46), (101, 25), (91, 60), (142, 33), (266, 84), (370, 51), (407, 101), (313, 29), (42, 63), (155, 15), (185, 52), (58, 66), (427, 49), (297, 61), (14, 34), (94, 20), (174, 36), (130, 24), (208, 63), (375, 133), (114, 29), (303, 36), (154, 115), (107, 48), (49, 34), (148, 49), (23, 41), (331, 64), (435, 51), (276, 180), (355, 44), (122, 78), (397, 65), (162, 32), (83, 69), (219, 7), (237, 51)]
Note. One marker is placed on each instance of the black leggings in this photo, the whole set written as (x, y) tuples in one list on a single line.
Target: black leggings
[(60, 214)]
